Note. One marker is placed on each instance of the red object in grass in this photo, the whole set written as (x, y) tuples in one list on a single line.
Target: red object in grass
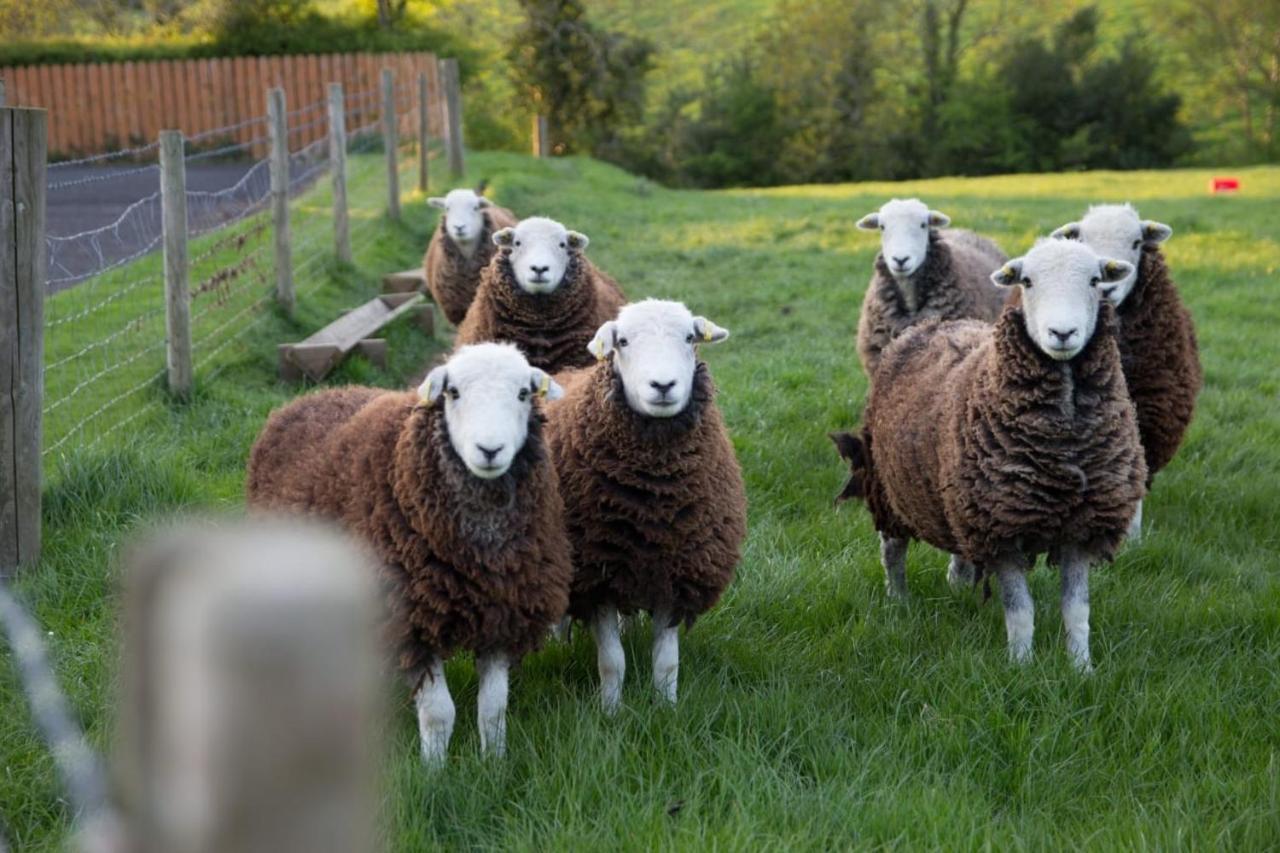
[(1224, 185)]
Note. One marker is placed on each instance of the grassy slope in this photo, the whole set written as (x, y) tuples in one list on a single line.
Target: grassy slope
[(814, 713)]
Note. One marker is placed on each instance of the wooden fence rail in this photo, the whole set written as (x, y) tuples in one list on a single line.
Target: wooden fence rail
[(101, 106)]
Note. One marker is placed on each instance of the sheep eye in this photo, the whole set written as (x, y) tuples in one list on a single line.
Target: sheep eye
[(1026, 282), (524, 394), (1137, 243), (688, 339), (517, 242), (622, 342), (562, 246), (881, 227), (1095, 281), (453, 393), (924, 224)]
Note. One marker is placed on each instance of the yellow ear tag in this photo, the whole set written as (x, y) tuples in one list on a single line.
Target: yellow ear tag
[(1111, 268), (707, 334), (545, 387), (599, 350)]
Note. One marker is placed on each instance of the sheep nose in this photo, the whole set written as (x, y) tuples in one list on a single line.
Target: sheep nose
[(1062, 336), (662, 387), (539, 270), (902, 262), (489, 452)]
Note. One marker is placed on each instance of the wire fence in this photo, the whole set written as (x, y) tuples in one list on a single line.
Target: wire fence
[(105, 312)]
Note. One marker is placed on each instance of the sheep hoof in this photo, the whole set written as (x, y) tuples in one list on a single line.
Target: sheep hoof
[(435, 753), (610, 703), (1020, 655), (896, 592)]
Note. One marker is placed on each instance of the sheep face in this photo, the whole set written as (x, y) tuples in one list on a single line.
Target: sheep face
[(463, 217), (1061, 283), (1115, 231), (904, 233), (653, 346), (487, 391), (539, 250)]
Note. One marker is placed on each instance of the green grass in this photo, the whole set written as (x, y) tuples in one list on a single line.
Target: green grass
[(814, 713)]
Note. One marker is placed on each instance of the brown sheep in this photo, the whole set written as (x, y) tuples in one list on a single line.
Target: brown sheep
[(999, 443), (542, 294), (1157, 335), (923, 273), (455, 491), (654, 500), (460, 248)]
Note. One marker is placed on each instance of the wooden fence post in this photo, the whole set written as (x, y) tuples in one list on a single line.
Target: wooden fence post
[(278, 131), (23, 261), (338, 163), (541, 144), (177, 294), (390, 142), (250, 707), (453, 114), (424, 134)]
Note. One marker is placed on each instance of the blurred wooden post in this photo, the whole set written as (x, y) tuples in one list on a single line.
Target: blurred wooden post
[(453, 114), (250, 714), (177, 293), (424, 113), (23, 261), (541, 144), (338, 163), (278, 132), (2, 100), (390, 142)]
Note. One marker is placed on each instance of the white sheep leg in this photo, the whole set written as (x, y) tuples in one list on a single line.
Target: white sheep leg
[(960, 573), (492, 702), (893, 553), (1075, 609), (1019, 612), (609, 657), (563, 630), (435, 715), (666, 655), (1135, 526)]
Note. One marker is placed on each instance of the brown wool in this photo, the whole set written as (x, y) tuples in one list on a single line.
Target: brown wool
[(452, 277)]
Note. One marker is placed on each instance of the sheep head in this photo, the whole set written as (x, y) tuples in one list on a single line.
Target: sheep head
[(904, 227), (487, 391), (1115, 231), (463, 217), (653, 347), (540, 251)]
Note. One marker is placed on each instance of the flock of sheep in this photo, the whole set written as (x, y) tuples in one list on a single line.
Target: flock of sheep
[(568, 460)]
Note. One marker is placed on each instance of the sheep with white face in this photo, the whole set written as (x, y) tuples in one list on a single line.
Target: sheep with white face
[(488, 391), (904, 233), (653, 345), (1115, 231), (463, 217), (1061, 283), (540, 251)]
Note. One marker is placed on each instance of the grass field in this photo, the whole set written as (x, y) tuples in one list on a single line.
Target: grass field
[(814, 713)]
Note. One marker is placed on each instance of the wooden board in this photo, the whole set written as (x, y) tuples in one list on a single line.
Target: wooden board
[(409, 281), (321, 352)]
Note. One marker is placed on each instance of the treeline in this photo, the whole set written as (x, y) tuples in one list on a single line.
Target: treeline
[(863, 89)]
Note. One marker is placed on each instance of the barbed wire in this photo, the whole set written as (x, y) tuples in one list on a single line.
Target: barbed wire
[(108, 155), (104, 176)]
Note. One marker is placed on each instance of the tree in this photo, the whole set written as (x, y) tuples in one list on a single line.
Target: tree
[(588, 82)]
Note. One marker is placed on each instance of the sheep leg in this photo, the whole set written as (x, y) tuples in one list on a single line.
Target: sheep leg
[(609, 657), (960, 573), (1075, 609), (666, 655), (1135, 526), (492, 702), (1019, 612), (435, 715), (893, 553)]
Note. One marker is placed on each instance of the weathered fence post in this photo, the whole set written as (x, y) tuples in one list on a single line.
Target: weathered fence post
[(424, 131), (23, 149), (541, 145), (278, 132), (177, 293), (453, 114), (390, 142), (338, 163), (250, 713)]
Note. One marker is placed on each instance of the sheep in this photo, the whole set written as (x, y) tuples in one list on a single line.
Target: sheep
[(933, 273), (455, 491), (461, 248), (1000, 442), (1157, 335), (541, 293), (654, 500)]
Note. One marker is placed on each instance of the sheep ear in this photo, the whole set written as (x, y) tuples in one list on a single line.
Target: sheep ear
[(504, 237), (541, 383), (1070, 231), (1155, 232), (436, 201), (482, 202), (578, 241), (870, 222), (433, 386), (707, 332), (602, 344), (849, 446), (1113, 271), (938, 219), (1009, 274)]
